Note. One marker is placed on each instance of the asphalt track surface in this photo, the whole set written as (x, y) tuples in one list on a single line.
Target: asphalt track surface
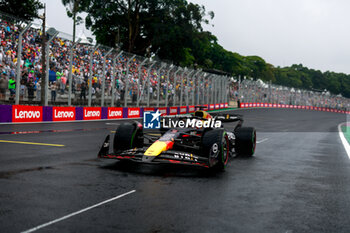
[(298, 181)]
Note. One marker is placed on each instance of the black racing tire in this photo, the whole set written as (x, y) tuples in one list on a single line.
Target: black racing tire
[(245, 141), (215, 145), (127, 136)]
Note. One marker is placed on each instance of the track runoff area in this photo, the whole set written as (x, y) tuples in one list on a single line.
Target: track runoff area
[(297, 181)]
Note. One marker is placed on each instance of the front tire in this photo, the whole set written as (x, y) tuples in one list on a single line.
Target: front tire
[(127, 136), (215, 145), (245, 141)]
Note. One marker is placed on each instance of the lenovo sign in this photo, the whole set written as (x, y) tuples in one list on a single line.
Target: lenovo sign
[(133, 112), (27, 113), (63, 113), (92, 113), (173, 110), (163, 111), (183, 110), (115, 113)]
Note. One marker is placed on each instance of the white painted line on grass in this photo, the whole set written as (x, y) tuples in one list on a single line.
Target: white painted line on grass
[(343, 140), (262, 140), (78, 212)]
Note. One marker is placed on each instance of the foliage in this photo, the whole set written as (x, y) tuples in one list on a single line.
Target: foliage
[(172, 30), (73, 8), (23, 9)]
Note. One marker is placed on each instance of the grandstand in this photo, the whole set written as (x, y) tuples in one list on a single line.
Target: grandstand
[(122, 79)]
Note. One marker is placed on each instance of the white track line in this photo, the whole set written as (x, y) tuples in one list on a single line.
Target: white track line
[(343, 140), (262, 140), (78, 212)]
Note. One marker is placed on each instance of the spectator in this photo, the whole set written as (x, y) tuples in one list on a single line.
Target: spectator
[(30, 88), (12, 88), (53, 88), (38, 90), (3, 86), (83, 91)]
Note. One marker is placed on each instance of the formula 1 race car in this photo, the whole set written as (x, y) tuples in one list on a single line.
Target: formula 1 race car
[(208, 147)]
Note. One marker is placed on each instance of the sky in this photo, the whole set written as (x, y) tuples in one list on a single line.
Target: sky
[(315, 33)]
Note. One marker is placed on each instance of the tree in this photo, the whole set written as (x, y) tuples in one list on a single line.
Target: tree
[(73, 7), (23, 9), (167, 27)]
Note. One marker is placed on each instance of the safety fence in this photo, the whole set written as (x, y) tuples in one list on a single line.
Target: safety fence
[(26, 113), (250, 91), (287, 106), (81, 74)]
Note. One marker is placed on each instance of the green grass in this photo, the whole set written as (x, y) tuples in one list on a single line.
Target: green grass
[(346, 131), (225, 109)]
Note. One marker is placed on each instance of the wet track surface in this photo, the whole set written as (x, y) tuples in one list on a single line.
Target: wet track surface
[(298, 181)]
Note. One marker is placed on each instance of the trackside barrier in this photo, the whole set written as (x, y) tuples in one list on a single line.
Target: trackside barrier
[(27, 113), (267, 105)]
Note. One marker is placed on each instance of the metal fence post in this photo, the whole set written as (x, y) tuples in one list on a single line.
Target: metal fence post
[(222, 91), (138, 82), (214, 89), (113, 77), (194, 86), (47, 69), (19, 58), (201, 96), (167, 85), (127, 81), (182, 85), (208, 92), (104, 77), (175, 80), (227, 90), (149, 81), (188, 81), (198, 88), (158, 82), (70, 72), (90, 75)]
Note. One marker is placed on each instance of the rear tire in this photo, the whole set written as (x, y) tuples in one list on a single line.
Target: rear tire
[(215, 145), (245, 141), (127, 136)]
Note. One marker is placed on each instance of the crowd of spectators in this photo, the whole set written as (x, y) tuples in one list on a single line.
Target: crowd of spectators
[(30, 83), (134, 76), (250, 91)]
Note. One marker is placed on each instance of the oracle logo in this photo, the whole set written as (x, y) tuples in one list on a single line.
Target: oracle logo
[(63, 114), (22, 114), (115, 113), (182, 110), (88, 113), (173, 110)]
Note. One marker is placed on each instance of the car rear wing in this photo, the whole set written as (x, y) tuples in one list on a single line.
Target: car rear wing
[(226, 118)]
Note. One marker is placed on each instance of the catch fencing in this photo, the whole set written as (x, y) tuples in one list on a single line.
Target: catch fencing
[(82, 74)]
